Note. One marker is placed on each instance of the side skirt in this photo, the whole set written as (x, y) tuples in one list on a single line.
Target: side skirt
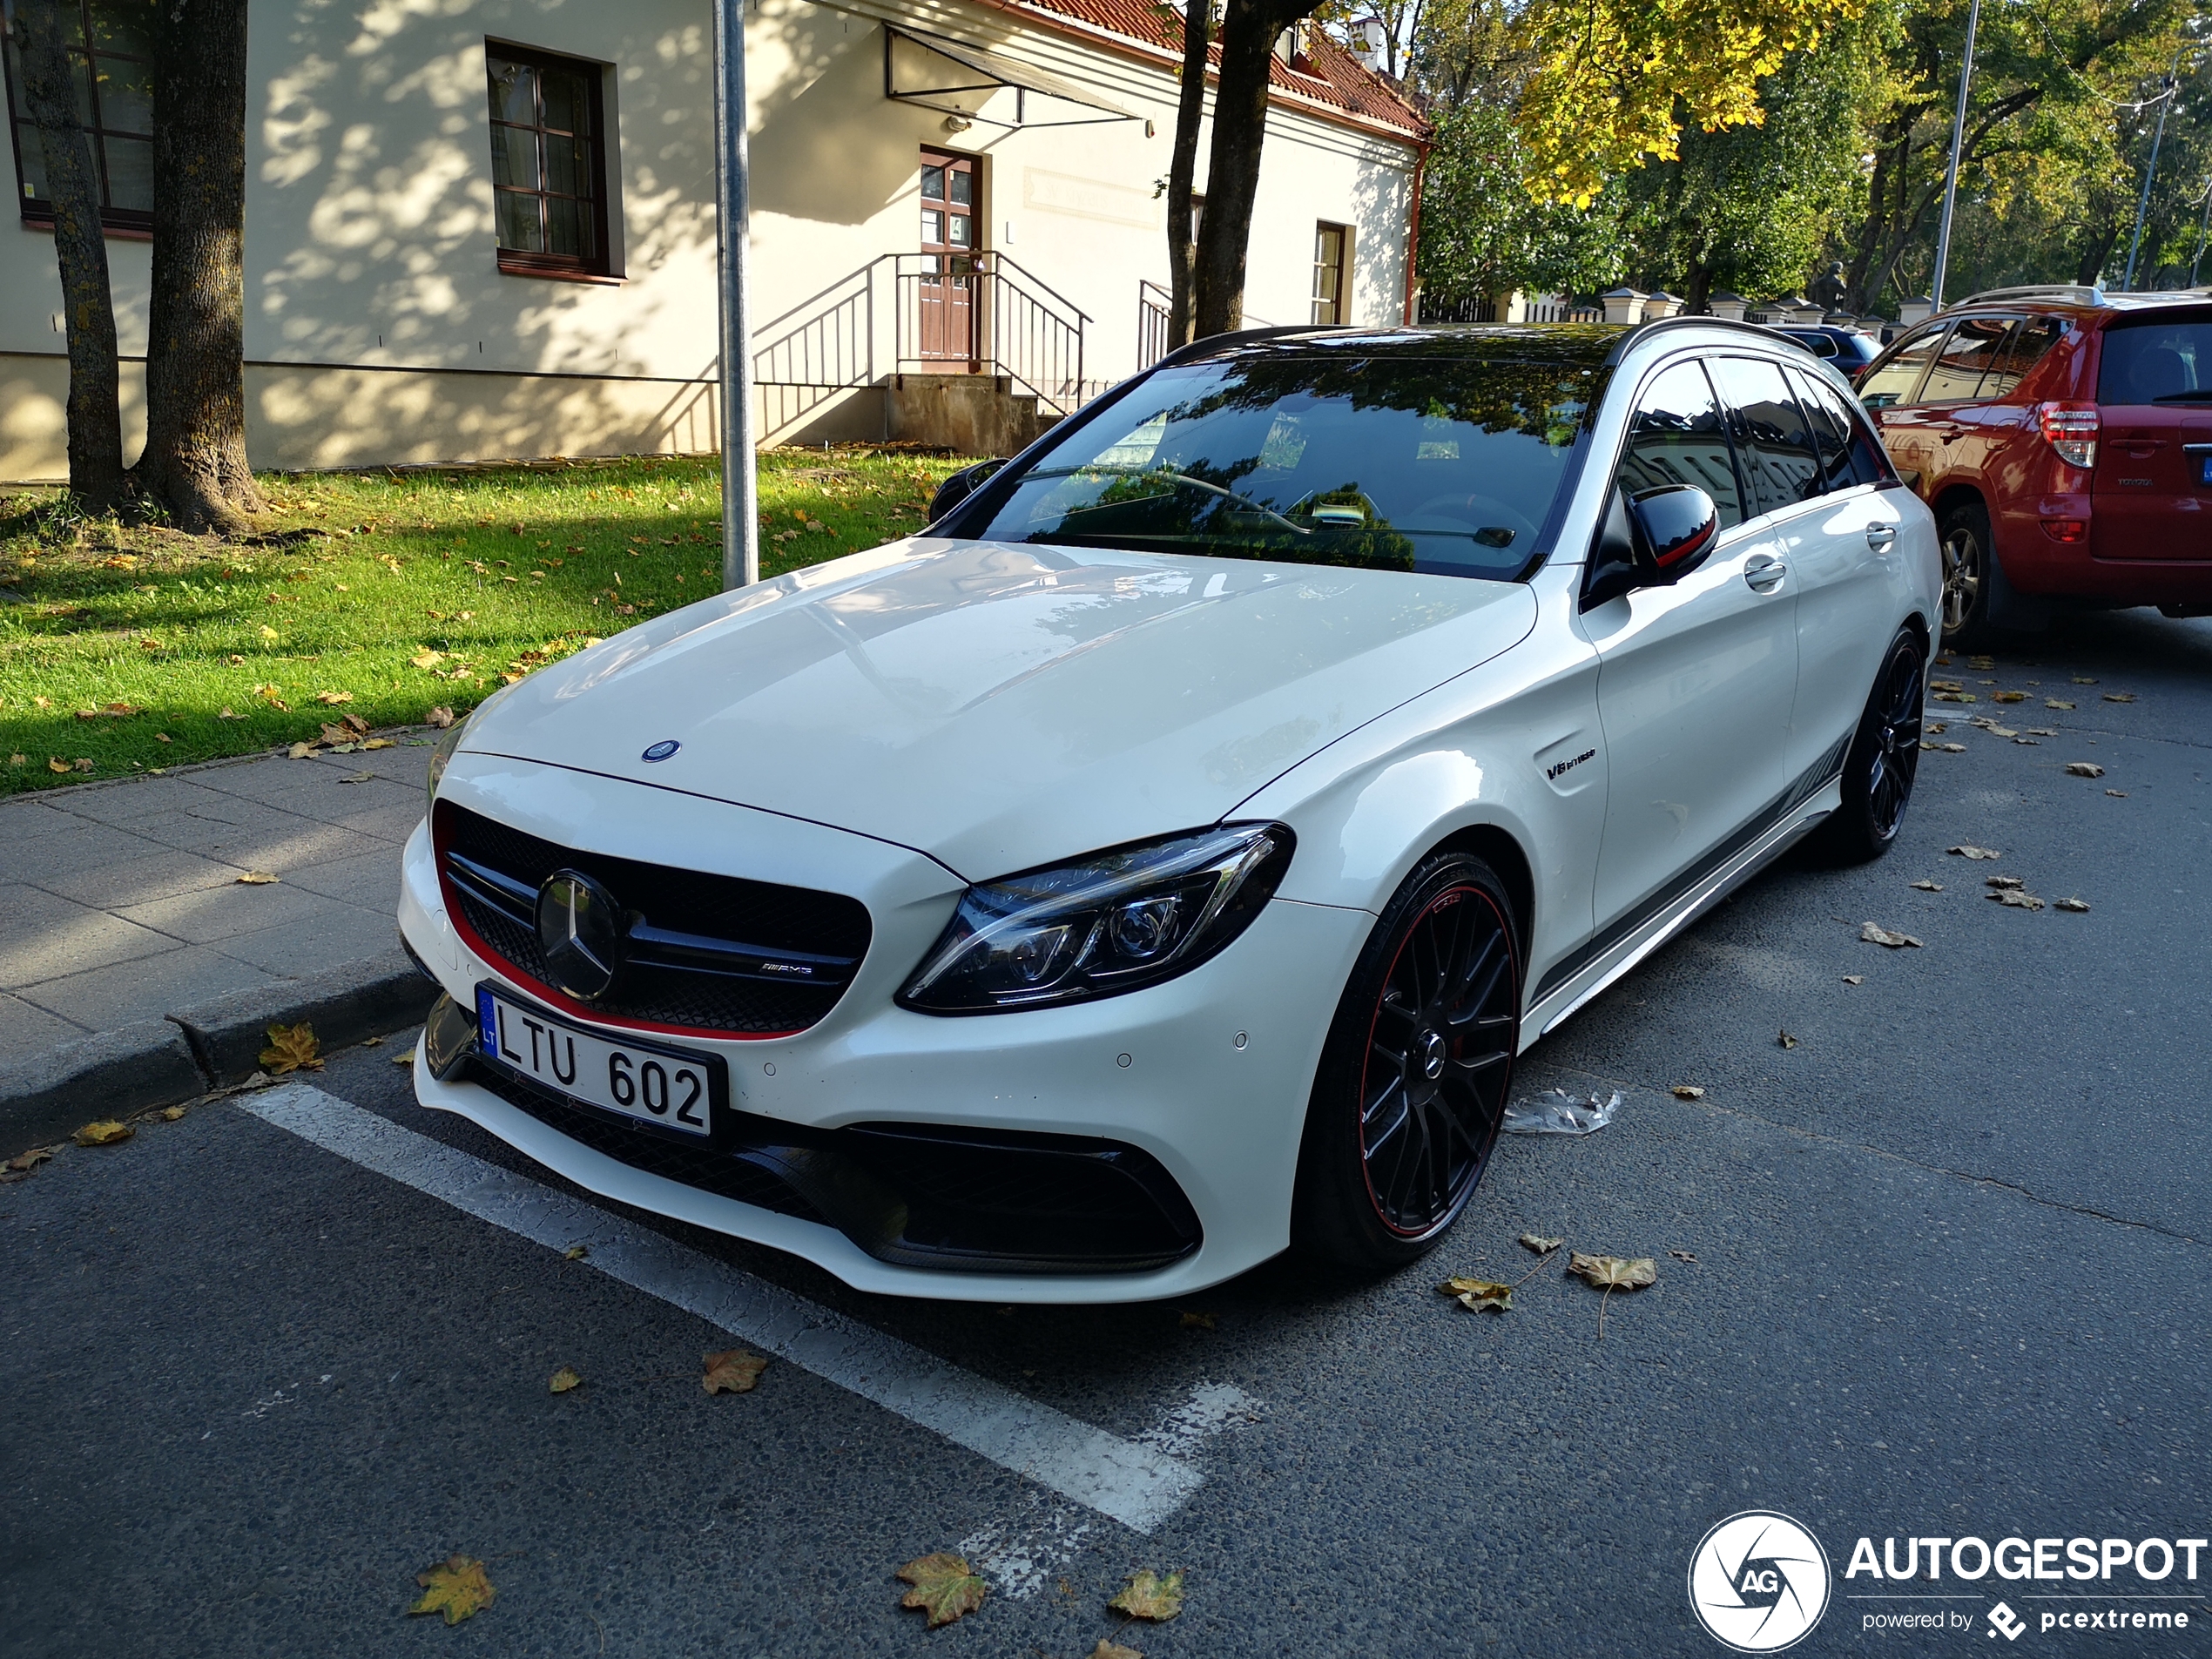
[(1561, 1001)]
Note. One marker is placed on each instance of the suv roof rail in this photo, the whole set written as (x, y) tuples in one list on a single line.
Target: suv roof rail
[(2077, 294)]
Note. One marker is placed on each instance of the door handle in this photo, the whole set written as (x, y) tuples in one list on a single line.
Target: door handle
[(1764, 574), (1878, 536)]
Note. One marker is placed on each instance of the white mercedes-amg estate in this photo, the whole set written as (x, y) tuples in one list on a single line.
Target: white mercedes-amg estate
[(1159, 862)]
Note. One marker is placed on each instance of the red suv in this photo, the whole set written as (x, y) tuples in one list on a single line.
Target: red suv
[(2063, 437)]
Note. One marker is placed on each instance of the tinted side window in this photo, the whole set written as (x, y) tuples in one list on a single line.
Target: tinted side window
[(1773, 446), (2032, 338), (1975, 344), (1895, 381), (1677, 437), (1849, 452)]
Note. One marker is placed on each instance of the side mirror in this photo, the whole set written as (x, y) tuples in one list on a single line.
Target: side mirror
[(1651, 541), (1676, 528), (958, 488)]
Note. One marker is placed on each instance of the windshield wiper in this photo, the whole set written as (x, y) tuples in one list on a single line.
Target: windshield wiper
[(2204, 397), (1172, 477)]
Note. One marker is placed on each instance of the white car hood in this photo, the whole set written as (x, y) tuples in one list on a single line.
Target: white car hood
[(999, 707)]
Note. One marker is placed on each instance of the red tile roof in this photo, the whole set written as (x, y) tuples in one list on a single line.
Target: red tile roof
[(1336, 80)]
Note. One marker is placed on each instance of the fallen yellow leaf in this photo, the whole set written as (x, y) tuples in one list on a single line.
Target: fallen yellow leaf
[(944, 1587), (1874, 934), (256, 879), (440, 718), (1106, 1649), (1193, 1320), (1149, 1596), (292, 1047), (2084, 769), (428, 659), (1970, 851), (30, 1160), (1474, 1294), (732, 1371), (1614, 1272), (1540, 1245), (106, 1132), (455, 1586), (576, 1252), (378, 743), (334, 698), (1687, 1091), (563, 1380), (1782, 1039), (301, 751)]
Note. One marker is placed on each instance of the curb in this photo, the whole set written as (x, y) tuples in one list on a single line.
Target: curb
[(211, 1045)]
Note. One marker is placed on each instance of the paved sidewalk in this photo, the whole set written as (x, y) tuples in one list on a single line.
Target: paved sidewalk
[(120, 902)]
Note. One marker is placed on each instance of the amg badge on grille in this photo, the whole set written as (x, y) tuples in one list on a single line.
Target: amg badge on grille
[(579, 925)]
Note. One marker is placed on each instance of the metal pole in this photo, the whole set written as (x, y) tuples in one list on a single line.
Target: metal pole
[(2142, 202), (2202, 231), (1958, 145), (740, 509)]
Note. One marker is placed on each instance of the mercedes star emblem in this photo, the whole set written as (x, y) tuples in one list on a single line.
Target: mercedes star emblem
[(579, 926)]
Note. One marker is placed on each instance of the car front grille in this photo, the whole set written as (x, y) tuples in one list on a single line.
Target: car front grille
[(703, 952)]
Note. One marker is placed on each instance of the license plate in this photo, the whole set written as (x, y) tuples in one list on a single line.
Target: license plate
[(2204, 469), (674, 1087)]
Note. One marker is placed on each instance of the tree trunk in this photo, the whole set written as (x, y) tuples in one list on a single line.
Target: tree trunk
[(1183, 165), (44, 30), (1248, 31), (195, 453)]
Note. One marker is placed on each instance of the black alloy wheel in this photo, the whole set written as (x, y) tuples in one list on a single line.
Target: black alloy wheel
[(1413, 1083), (1885, 757), (1968, 584)]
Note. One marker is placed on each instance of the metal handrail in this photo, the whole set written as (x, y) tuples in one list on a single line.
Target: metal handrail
[(1020, 328)]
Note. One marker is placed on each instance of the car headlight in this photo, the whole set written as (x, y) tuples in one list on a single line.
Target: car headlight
[(1113, 922), (448, 744)]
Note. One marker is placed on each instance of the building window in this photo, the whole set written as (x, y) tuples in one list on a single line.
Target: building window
[(1331, 273), (112, 56), (549, 169)]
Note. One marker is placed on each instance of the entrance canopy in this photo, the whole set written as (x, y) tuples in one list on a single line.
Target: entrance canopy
[(951, 75)]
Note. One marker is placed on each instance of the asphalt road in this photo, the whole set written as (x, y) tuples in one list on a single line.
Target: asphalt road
[(1949, 1280)]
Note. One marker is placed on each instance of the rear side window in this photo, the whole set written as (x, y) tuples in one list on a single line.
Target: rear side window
[(2030, 341), (1676, 436), (1818, 345), (1773, 445), (1848, 453), (2156, 362), (1895, 381), (1975, 344)]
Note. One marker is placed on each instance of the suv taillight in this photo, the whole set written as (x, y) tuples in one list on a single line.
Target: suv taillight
[(2071, 428)]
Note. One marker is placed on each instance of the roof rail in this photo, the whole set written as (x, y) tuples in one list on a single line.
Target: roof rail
[(2077, 294)]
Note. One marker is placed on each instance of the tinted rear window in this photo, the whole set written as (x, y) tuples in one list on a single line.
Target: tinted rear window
[(2156, 362), (1446, 465)]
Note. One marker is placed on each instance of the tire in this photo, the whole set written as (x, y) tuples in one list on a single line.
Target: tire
[(1970, 578), (1414, 1075), (1884, 758)]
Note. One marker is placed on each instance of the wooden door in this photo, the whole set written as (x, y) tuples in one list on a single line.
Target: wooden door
[(947, 291)]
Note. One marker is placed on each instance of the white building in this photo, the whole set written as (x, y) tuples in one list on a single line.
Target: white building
[(485, 229)]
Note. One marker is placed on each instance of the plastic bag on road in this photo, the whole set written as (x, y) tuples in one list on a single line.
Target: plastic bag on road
[(1557, 1112)]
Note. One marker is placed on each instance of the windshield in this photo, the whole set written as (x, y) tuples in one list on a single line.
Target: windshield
[(1445, 465)]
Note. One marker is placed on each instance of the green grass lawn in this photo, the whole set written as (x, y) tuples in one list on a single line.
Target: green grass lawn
[(380, 596)]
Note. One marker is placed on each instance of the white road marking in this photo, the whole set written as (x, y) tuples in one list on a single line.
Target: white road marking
[(1018, 1554), (1138, 1485)]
